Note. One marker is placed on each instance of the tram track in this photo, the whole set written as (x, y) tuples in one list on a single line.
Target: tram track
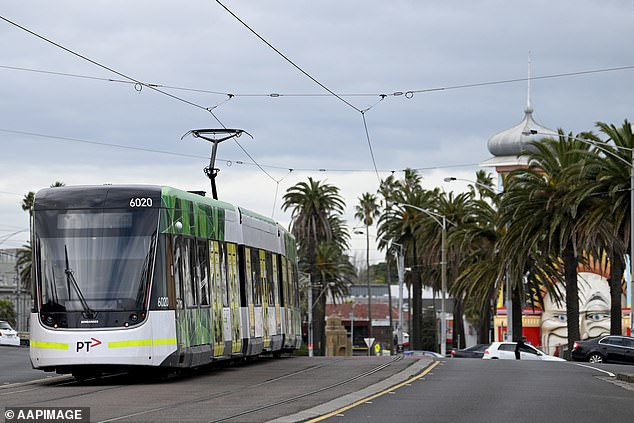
[(273, 404)]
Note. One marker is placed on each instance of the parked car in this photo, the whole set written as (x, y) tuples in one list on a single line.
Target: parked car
[(419, 353), (476, 351), (506, 351), (7, 335), (604, 349)]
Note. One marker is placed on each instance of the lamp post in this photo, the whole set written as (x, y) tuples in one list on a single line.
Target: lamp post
[(631, 166), (311, 306), (400, 266), (509, 296), (443, 262)]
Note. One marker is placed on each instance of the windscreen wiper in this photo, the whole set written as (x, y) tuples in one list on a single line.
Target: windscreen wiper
[(88, 312)]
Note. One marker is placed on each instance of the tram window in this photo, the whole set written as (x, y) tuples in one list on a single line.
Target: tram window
[(256, 276), (178, 270), (271, 291), (244, 259), (203, 271)]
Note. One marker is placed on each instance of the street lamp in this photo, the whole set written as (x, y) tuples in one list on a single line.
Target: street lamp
[(479, 184), (443, 262), (509, 296), (631, 165), (400, 266), (311, 306)]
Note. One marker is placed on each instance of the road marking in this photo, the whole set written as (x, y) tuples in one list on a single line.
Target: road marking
[(371, 397), (598, 370)]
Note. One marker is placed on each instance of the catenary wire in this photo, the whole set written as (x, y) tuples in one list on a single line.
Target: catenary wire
[(311, 78), (382, 96), (228, 162), (208, 109)]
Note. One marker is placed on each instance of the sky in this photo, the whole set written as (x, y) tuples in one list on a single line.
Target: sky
[(86, 129)]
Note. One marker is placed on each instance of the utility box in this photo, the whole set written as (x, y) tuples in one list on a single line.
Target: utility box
[(337, 342)]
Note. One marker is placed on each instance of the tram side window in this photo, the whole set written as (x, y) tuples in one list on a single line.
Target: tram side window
[(203, 271), (270, 289), (244, 263), (256, 276), (177, 270)]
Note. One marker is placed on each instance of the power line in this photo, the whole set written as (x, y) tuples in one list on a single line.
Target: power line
[(228, 162), (311, 78), (136, 81), (381, 95)]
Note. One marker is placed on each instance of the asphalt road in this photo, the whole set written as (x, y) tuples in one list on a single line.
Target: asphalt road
[(470, 390), (254, 392), (289, 389), (15, 366)]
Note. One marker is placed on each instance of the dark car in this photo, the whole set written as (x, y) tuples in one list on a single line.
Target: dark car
[(604, 349), (476, 351)]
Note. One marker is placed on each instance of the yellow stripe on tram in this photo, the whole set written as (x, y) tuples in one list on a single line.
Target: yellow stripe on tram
[(49, 345), (142, 342)]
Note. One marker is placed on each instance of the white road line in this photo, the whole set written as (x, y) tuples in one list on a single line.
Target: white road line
[(598, 370)]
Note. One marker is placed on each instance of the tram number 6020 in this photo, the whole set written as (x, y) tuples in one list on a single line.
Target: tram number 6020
[(140, 202)]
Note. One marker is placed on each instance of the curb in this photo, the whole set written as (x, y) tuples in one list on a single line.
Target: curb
[(415, 368), (625, 377)]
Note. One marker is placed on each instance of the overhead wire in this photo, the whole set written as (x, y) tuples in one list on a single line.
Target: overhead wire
[(382, 95), (228, 162), (136, 81), (309, 76)]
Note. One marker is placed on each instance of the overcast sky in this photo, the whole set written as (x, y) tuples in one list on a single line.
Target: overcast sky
[(352, 47)]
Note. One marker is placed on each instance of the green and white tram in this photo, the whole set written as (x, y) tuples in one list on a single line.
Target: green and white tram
[(129, 276)]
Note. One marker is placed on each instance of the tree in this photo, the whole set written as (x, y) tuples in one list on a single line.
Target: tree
[(316, 210), (544, 218), (613, 183), (7, 311), (398, 224), (366, 211)]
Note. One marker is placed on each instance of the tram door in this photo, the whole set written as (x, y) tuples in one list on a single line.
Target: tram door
[(216, 298), (265, 300), (234, 298)]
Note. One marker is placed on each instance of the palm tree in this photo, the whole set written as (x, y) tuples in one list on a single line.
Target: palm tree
[(398, 224), (544, 217), (613, 182), (366, 211), (313, 206)]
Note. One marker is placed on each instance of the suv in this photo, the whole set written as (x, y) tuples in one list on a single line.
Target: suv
[(611, 348), (506, 351)]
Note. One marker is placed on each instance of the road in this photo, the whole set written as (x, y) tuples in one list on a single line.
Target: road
[(469, 390), (290, 389)]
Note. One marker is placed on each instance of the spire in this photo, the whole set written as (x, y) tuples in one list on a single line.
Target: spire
[(529, 106)]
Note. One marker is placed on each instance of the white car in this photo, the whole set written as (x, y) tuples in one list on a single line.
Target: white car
[(506, 351), (7, 335)]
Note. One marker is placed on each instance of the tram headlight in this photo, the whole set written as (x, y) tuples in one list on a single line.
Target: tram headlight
[(134, 317), (49, 320)]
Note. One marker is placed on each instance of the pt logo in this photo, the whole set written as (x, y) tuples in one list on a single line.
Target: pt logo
[(86, 345)]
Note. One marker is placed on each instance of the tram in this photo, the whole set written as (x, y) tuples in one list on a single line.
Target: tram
[(129, 277)]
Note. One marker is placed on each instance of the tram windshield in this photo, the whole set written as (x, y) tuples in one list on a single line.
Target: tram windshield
[(96, 261)]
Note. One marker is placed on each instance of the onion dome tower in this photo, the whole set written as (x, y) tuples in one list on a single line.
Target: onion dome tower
[(509, 146)]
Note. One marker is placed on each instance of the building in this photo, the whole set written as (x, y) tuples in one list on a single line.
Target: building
[(9, 282)]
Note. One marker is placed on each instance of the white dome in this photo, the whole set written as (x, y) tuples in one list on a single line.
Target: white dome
[(516, 140)]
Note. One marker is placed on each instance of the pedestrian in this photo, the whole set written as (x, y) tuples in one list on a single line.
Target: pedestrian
[(519, 346)]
